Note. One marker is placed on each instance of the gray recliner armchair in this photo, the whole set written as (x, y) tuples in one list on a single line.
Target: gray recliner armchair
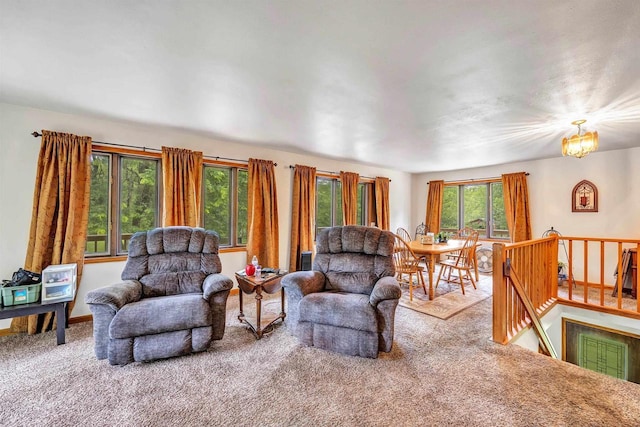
[(347, 303), (172, 300)]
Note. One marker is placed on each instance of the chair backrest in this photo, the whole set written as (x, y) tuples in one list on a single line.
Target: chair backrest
[(465, 257), (404, 234), (463, 233), (172, 260), (353, 257), (404, 259)]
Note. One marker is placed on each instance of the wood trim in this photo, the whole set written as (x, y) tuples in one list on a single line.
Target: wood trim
[(81, 319), (607, 310), (599, 239), (120, 258), (471, 181), (101, 259), (214, 162), (128, 151)]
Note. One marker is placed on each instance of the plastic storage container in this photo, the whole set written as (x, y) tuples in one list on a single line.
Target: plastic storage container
[(59, 283), (23, 294)]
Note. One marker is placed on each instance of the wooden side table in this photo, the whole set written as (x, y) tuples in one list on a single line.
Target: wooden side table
[(269, 283)]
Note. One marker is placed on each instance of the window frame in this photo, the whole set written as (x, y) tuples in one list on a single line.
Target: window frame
[(490, 230), (114, 224), (336, 185), (234, 200)]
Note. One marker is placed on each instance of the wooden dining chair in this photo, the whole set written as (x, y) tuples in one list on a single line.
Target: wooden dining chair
[(463, 264), (406, 262), (461, 234), (404, 234)]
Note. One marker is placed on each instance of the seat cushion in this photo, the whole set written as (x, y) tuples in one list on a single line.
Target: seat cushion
[(160, 314), (339, 309)]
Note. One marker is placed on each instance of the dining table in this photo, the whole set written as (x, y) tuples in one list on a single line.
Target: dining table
[(432, 253)]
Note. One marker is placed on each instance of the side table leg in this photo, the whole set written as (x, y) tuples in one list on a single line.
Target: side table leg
[(61, 321), (258, 310), (241, 315)]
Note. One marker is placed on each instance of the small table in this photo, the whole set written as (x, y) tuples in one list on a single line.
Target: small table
[(267, 282), (433, 251), (19, 310)]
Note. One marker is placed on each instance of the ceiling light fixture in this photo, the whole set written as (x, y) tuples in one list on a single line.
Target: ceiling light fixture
[(580, 144)]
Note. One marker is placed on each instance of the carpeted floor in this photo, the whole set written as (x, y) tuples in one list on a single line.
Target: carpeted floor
[(441, 373)]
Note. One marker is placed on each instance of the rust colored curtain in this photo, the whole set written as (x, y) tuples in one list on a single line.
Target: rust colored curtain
[(516, 206), (303, 213), (182, 184), (382, 202), (434, 206), (262, 205), (60, 213), (349, 197)]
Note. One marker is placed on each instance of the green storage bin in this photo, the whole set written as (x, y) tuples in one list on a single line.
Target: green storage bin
[(24, 294)]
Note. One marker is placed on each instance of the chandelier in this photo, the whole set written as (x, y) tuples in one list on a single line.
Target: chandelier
[(580, 144)]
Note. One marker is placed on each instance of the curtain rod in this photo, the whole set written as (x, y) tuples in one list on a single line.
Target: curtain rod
[(477, 179), (334, 173), (36, 134)]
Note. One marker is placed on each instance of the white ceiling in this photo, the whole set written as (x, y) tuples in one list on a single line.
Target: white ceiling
[(413, 85)]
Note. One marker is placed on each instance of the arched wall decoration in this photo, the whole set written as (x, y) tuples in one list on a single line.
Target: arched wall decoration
[(584, 197)]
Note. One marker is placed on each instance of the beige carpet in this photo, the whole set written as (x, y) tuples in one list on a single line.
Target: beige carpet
[(439, 373), (448, 300)]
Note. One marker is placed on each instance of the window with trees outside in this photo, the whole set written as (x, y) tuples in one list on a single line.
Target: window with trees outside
[(329, 203), (124, 199), (479, 206), (225, 192)]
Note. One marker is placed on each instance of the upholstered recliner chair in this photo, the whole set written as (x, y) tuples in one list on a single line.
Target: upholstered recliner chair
[(171, 302), (347, 303)]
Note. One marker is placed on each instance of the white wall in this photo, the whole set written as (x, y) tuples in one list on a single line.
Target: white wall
[(616, 174), (18, 168)]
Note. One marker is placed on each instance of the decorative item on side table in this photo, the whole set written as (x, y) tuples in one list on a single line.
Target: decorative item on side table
[(263, 280), (59, 283)]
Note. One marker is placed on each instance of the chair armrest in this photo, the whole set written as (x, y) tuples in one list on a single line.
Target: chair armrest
[(215, 283), (303, 282), (116, 296), (386, 288)]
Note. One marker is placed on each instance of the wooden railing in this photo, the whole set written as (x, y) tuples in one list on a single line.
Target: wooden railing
[(97, 243), (533, 260), (536, 265)]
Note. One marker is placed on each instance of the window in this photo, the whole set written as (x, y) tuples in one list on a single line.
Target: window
[(124, 199), (479, 206), (225, 191), (329, 203)]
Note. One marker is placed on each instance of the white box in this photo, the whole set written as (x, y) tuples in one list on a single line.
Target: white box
[(59, 283)]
